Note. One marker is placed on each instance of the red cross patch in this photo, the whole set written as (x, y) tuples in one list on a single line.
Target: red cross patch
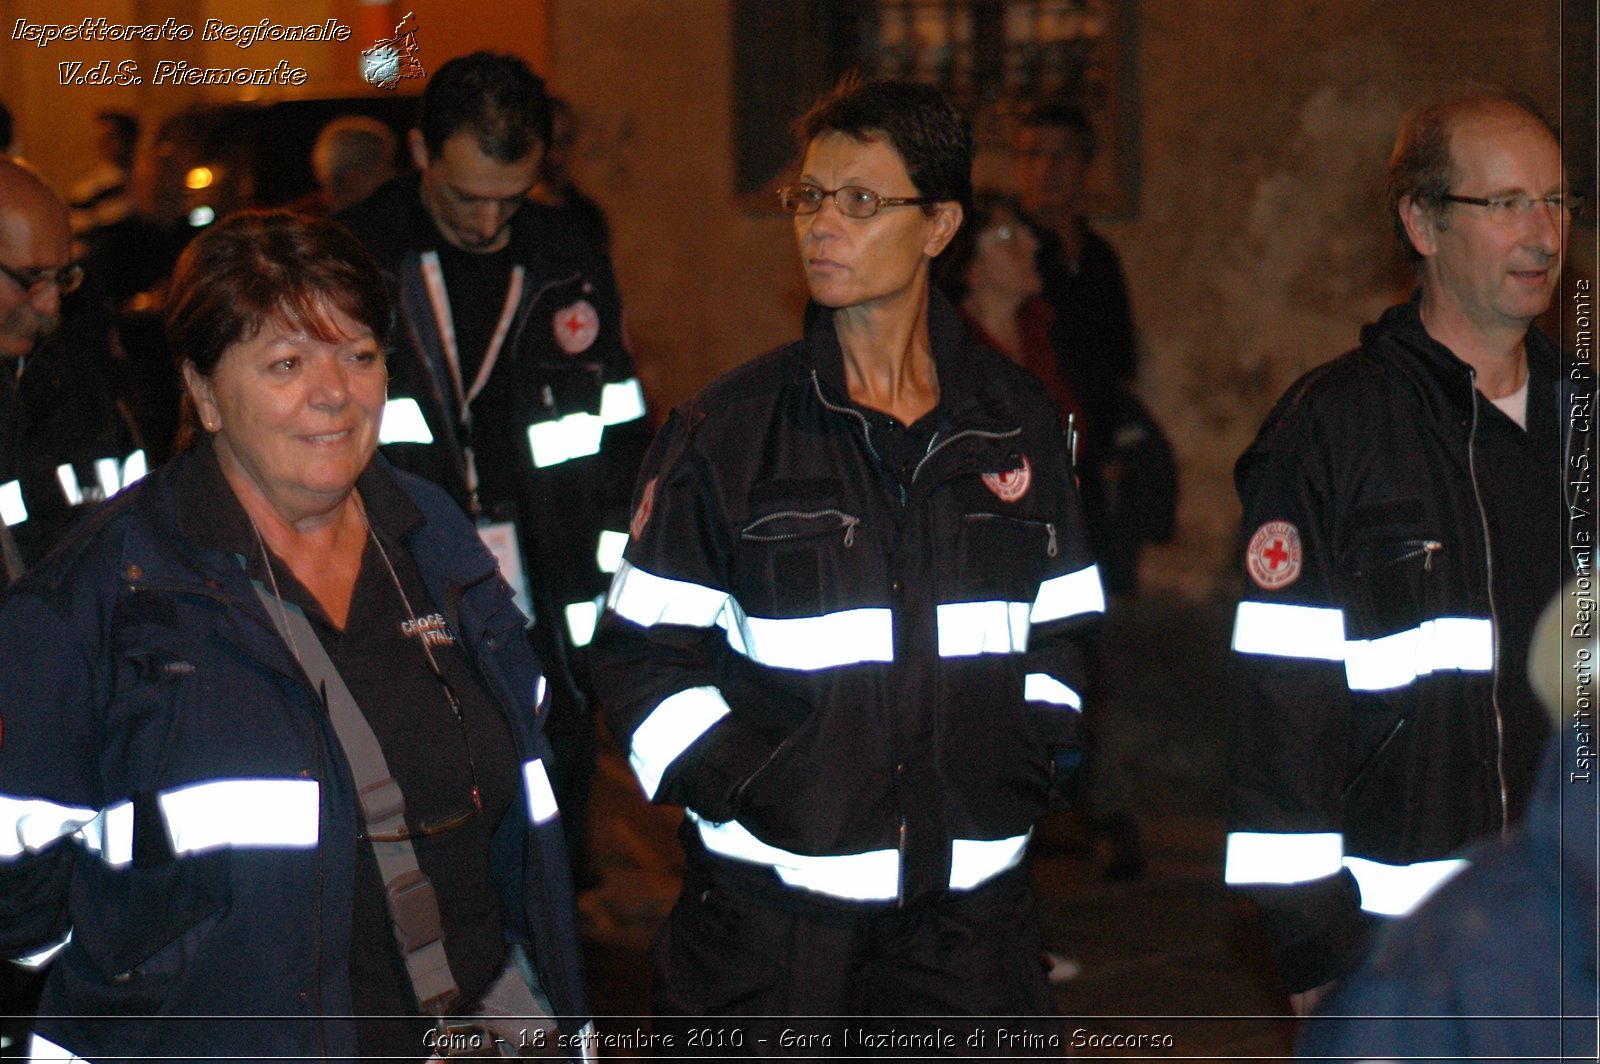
[(1012, 484), (576, 326), (641, 516), (1273, 557)]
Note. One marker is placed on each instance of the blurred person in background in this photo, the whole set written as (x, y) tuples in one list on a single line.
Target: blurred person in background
[(103, 197), (846, 632), (556, 186), (353, 157), (284, 755), (64, 447), (512, 384)]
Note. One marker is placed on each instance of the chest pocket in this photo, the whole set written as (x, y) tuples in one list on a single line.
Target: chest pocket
[(792, 559), (1391, 562)]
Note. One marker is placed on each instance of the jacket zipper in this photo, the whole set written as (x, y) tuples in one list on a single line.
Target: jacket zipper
[(846, 521), (1048, 526), (316, 907), (1494, 616), (983, 433)]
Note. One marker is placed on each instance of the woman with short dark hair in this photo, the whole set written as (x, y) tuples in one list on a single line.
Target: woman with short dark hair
[(279, 774), (844, 633)]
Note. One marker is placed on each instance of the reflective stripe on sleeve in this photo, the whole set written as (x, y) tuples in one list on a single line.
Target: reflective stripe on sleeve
[(242, 814), (870, 876), (581, 620), (670, 729), (43, 1049), (1042, 687), (403, 422), (12, 509), (968, 628), (566, 438), (1464, 644), (1257, 857), (621, 401), (1395, 890), (608, 550), (647, 599), (1277, 629), (111, 834), (1069, 595), (43, 957), (542, 806), (849, 637), (67, 477), (134, 468), (28, 825)]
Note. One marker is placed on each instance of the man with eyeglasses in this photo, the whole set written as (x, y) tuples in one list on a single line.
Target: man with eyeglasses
[(1403, 525), (62, 445), (512, 384)]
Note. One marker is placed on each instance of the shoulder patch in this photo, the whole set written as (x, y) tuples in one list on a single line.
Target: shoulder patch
[(641, 515), (1012, 484), (576, 327), (1274, 555)]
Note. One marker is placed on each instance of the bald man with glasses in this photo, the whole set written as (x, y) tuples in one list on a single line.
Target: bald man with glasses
[(1404, 523), (63, 446)]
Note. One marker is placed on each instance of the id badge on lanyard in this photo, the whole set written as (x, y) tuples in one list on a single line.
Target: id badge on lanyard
[(499, 536)]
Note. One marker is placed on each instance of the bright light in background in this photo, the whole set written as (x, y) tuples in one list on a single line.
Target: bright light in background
[(199, 177)]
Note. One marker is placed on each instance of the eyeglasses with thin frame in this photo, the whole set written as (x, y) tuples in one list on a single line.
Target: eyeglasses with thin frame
[(442, 825), (1509, 210), (853, 201), (36, 282)]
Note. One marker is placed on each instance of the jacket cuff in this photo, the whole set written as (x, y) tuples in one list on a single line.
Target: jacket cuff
[(1318, 930)]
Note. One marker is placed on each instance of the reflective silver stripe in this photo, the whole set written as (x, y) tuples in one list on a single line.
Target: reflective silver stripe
[(542, 806), (621, 401), (403, 422), (108, 472), (12, 510), (28, 825), (870, 876), (1394, 890), (1256, 857), (42, 1049), (111, 834), (244, 814), (849, 637), (1066, 596), (967, 628), (43, 957), (581, 620), (975, 861), (67, 477), (562, 440), (134, 468), (647, 599), (1464, 644), (670, 729), (608, 551), (1284, 631), (1042, 687)]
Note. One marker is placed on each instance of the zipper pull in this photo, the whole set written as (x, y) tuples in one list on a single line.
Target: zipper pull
[(850, 524), (1050, 548), (1430, 547)]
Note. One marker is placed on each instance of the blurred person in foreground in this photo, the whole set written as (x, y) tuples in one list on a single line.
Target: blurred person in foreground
[(1500, 964), (181, 801), (513, 386), (844, 634), (1403, 510)]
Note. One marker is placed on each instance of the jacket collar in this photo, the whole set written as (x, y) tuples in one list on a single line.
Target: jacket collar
[(969, 398), (1399, 339)]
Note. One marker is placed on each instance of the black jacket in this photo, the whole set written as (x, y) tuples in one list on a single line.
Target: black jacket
[(138, 668), (861, 687), (565, 367), (1379, 720)]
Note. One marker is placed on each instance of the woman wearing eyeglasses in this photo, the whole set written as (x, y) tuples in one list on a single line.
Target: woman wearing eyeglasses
[(197, 689), (843, 634)]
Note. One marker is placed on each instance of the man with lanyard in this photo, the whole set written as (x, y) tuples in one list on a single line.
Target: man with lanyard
[(1403, 526), (511, 382)]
